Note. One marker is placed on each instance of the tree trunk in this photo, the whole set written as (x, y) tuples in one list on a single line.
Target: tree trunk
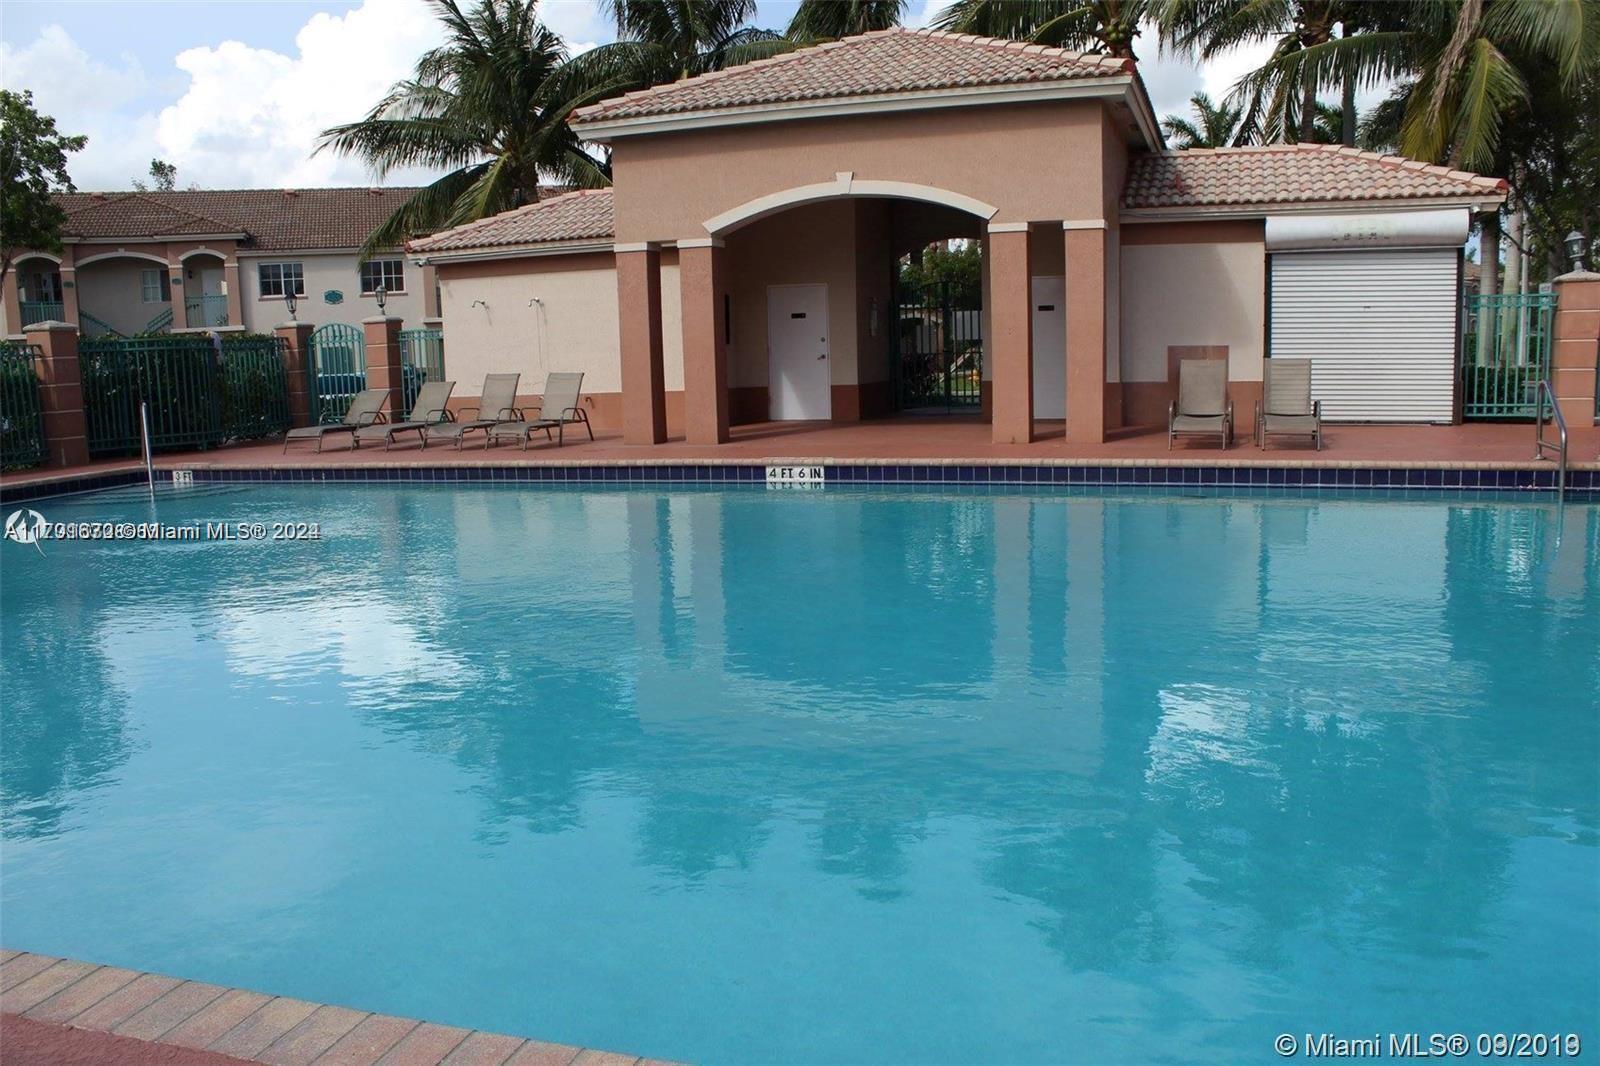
[(1347, 118), (1308, 113), (1488, 284)]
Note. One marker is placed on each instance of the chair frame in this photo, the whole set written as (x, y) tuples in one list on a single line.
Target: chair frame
[(1225, 427)]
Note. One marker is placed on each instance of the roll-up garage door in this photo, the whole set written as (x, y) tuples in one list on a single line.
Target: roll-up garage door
[(1379, 323)]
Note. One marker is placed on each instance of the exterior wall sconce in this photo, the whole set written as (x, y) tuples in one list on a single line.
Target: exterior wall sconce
[(289, 300), (382, 294)]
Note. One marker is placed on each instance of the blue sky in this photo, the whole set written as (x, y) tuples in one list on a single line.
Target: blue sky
[(235, 92)]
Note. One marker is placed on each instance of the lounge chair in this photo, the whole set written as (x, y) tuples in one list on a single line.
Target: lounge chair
[(429, 409), (497, 404), (1202, 406), (365, 408), (1286, 406), (558, 408)]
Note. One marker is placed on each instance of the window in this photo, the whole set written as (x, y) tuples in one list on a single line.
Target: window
[(154, 288), (390, 273), (279, 279)]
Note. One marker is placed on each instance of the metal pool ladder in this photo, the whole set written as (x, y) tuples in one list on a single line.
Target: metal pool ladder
[(1559, 446)]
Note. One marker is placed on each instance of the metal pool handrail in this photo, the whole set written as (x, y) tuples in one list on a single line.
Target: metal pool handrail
[(1559, 446)]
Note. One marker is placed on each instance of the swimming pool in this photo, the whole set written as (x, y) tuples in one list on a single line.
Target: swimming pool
[(739, 775)]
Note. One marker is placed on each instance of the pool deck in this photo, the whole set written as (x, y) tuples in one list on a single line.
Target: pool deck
[(59, 1010), (931, 440)]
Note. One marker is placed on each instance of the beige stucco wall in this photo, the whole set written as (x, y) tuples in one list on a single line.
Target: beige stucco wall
[(574, 327), (1192, 293), (324, 271), (110, 290), (667, 185)]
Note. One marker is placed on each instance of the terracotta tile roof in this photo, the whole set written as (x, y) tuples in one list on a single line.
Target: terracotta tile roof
[(881, 63), (582, 215), (272, 219), (1288, 174)]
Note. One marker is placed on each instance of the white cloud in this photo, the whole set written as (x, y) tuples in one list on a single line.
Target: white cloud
[(250, 116), (86, 96)]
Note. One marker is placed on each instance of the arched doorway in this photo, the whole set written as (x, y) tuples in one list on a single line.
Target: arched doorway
[(205, 292), (124, 293), (39, 290)]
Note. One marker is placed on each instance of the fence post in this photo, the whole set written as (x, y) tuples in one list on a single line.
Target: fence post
[(384, 370), (66, 433), (296, 338), (1577, 346)]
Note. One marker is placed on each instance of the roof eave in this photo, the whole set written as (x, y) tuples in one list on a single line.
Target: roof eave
[(1109, 86), (483, 253), (159, 238), (1488, 201)]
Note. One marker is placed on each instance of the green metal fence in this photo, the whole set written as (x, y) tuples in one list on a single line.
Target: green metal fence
[(21, 425), (40, 311), (336, 370), (255, 387), (421, 360), (1505, 353), (199, 393), (940, 349)]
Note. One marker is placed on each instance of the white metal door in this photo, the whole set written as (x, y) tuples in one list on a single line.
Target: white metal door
[(1378, 325), (1049, 347), (798, 380)]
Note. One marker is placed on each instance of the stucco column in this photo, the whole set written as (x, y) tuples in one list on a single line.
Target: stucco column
[(230, 278), (1577, 346), (11, 300), (1011, 330), (1086, 332), (705, 351), (430, 291), (69, 286), (296, 338), (644, 395), (383, 362), (66, 434)]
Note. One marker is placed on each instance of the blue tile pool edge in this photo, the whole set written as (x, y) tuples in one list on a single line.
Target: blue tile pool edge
[(1582, 485)]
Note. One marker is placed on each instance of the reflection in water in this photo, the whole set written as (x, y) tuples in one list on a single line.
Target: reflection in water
[(986, 776)]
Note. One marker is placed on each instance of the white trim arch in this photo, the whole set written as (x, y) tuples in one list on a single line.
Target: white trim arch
[(213, 252), (844, 184), (122, 255), (25, 256)]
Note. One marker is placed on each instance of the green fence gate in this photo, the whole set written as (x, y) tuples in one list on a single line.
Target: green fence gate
[(421, 360), (199, 392), (939, 361), (337, 370), (21, 425), (1505, 353)]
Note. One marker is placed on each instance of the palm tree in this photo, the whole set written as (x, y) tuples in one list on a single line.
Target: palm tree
[(1214, 125), (830, 19), (665, 40), (1280, 97), (490, 107), (1107, 27)]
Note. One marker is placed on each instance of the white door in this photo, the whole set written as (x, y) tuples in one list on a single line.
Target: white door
[(1379, 327), (1049, 347), (799, 383)]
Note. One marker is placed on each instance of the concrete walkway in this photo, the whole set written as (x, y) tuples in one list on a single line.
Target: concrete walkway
[(60, 1011)]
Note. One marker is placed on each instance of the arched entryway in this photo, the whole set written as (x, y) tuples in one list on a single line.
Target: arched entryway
[(205, 291), (39, 290), (124, 293)]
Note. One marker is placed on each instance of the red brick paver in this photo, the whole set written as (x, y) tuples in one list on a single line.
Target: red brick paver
[(81, 994), (174, 1002), (368, 1042), (255, 1034), (425, 1045), (28, 994), (301, 1045), (215, 1018)]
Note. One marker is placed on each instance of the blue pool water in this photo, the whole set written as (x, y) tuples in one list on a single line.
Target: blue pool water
[(747, 775)]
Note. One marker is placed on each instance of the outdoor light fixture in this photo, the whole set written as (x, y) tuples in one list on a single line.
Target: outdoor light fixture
[(1577, 248), (288, 300), (383, 297)]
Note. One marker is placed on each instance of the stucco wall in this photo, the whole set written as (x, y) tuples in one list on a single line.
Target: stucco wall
[(667, 185), (110, 290), (338, 270), (573, 327), (1183, 285)]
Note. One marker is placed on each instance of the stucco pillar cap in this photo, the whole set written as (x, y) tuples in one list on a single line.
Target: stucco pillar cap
[(50, 327), (294, 325), (378, 320), (1577, 275)]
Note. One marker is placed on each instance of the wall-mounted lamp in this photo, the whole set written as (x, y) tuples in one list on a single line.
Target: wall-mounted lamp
[(480, 303), (383, 297), (1577, 248), (288, 300)]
